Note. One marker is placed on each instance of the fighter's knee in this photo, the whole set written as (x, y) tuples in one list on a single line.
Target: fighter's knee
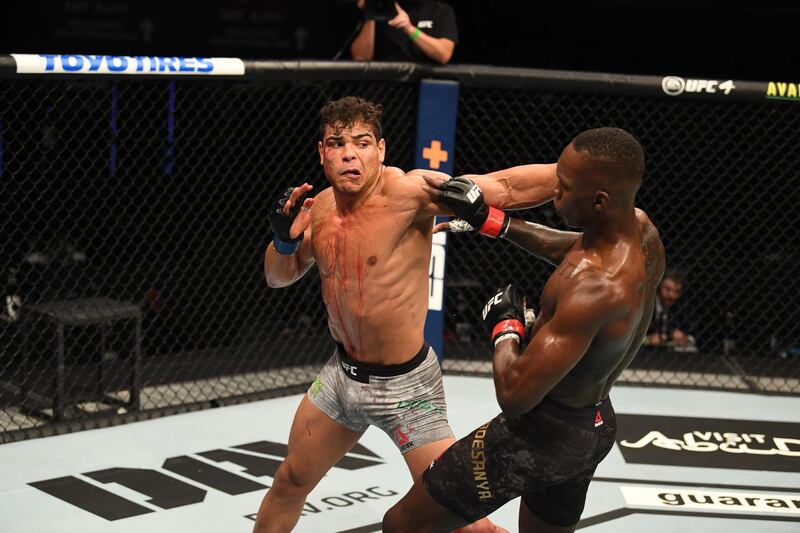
[(290, 479), (393, 521)]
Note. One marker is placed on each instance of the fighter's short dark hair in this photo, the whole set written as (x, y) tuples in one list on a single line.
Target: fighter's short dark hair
[(348, 110), (617, 149)]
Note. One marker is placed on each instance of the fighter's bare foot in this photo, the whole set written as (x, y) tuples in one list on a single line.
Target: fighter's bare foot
[(482, 526)]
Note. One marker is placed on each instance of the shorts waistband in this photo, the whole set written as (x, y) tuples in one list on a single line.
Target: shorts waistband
[(589, 417), (358, 371)]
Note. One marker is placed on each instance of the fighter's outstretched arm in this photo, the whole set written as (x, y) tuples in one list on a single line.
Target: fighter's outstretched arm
[(469, 200), (518, 187), (542, 241)]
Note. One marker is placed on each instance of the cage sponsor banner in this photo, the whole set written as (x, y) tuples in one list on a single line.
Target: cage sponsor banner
[(781, 90), (436, 133), (713, 443), (675, 85), (135, 65), (727, 501)]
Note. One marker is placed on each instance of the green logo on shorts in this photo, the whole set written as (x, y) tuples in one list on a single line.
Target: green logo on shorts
[(315, 387), (424, 405)]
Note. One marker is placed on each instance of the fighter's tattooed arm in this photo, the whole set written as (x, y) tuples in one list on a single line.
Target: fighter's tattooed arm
[(654, 265)]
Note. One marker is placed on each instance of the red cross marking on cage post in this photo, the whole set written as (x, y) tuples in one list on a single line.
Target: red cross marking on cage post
[(434, 154)]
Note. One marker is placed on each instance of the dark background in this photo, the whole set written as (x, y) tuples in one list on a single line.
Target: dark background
[(742, 39)]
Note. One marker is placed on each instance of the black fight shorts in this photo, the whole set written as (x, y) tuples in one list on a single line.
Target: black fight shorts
[(548, 456)]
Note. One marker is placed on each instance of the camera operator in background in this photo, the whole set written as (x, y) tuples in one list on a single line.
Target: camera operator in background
[(422, 31)]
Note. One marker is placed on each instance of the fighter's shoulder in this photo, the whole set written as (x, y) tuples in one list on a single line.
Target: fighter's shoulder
[(418, 173), (651, 238), (592, 297), (585, 279), (393, 174), (322, 201), (645, 223), (581, 275), (324, 196), (327, 192), (401, 182)]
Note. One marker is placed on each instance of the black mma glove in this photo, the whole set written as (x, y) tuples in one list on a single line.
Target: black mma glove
[(465, 198), (504, 313), (280, 224)]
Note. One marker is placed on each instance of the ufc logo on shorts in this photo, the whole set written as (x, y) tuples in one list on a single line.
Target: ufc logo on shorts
[(490, 303), (350, 369), (473, 194)]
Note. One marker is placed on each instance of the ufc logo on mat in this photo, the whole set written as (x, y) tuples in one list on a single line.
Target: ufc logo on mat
[(473, 194)]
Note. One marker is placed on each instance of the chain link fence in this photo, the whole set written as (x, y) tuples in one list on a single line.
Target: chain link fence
[(134, 230), (721, 186), (135, 222)]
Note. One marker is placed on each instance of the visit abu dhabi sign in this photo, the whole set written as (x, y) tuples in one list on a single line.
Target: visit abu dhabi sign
[(710, 443)]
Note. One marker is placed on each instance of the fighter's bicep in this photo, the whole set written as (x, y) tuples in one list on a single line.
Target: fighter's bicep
[(564, 338), (555, 348)]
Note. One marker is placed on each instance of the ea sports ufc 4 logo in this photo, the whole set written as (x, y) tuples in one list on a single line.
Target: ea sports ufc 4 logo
[(491, 303), (675, 85)]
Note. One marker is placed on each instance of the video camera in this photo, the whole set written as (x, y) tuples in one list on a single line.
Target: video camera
[(379, 9)]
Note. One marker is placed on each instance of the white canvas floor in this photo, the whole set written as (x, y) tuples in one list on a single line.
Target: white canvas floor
[(692, 461)]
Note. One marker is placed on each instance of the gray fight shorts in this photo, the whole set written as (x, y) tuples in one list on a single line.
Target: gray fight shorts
[(406, 401)]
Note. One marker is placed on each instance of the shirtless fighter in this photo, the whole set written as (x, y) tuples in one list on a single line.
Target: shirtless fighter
[(557, 422), (370, 235)]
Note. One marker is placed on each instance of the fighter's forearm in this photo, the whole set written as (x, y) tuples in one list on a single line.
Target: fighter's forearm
[(542, 241), (508, 381), (518, 187), (283, 270)]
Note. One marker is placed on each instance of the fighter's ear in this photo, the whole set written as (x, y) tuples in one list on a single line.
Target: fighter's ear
[(381, 150), (321, 153), (601, 200)]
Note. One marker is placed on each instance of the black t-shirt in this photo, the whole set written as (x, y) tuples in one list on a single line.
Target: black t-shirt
[(434, 18), (666, 320)]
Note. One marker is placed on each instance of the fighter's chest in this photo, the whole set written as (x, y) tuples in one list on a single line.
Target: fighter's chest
[(549, 298), (352, 246)]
